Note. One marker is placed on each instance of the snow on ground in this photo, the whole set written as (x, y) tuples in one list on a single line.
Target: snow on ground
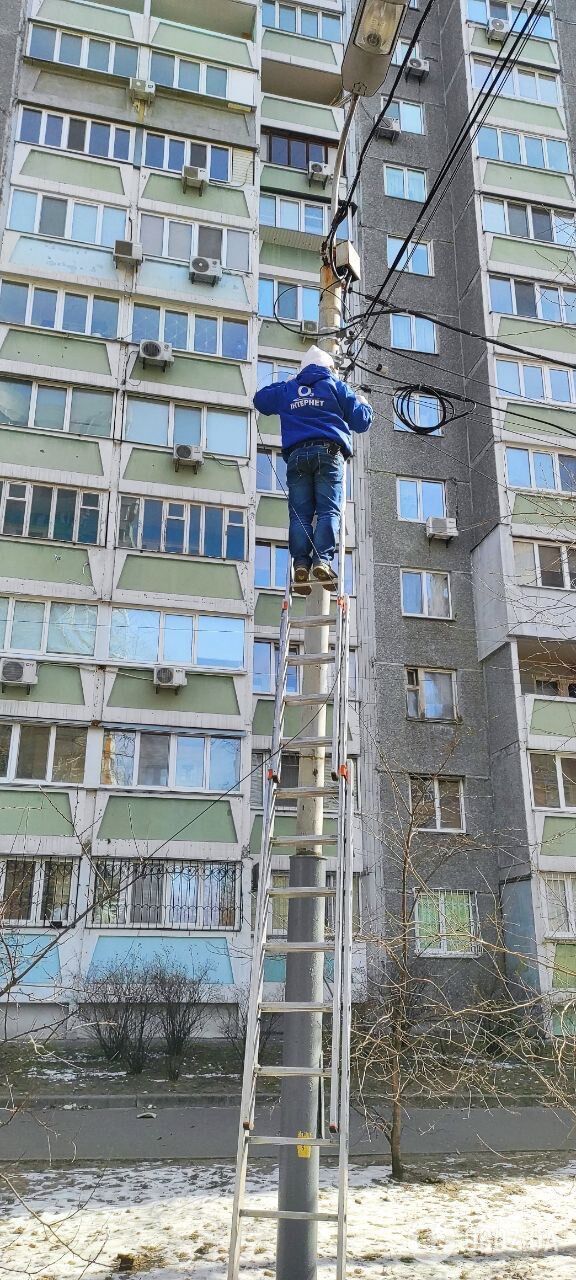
[(499, 1224)]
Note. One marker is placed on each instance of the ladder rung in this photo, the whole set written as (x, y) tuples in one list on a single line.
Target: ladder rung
[(304, 841), (278, 947), (294, 743), (294, 1006), (286, 1073), (305, 699), (310, 659), (315, 620), (306, 793), (291, 1214), (300, 891), (260, 1140)]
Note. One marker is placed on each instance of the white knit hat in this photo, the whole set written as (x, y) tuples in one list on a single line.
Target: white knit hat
[(315, 355)]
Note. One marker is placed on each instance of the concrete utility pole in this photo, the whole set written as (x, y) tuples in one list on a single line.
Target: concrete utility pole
[(366, 61)]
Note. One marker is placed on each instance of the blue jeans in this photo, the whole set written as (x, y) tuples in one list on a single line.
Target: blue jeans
[(314, 476)]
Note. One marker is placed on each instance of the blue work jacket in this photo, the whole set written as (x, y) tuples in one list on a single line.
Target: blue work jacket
[(315, 406)]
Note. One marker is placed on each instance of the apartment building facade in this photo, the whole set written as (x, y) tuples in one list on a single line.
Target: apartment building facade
[(474, 633)]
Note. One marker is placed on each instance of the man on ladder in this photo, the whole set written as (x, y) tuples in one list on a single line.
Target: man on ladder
[(317, 416)]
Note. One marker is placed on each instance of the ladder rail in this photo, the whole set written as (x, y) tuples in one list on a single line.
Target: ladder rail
[(339, 623), (344, 800), (347, 975)]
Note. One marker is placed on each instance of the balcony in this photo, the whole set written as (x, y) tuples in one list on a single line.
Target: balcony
[(316, 63)]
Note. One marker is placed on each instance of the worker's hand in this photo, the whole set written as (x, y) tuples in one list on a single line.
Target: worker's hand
[(362, 399)]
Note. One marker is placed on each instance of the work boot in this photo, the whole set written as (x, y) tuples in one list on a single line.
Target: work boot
[(301, 586), (323, 572)]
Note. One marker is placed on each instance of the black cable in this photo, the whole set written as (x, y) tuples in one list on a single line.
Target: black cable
[(471, 333)]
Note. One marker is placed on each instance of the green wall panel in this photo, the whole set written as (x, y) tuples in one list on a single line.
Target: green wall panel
[(539, 337), (525, 115), (539, 257), (564, 974), (564, 1022), (55, 452), (203, 693), (536, 508), (283, 826), (559, 838), (73, 173), (86, 18), (554, 716), (272, 512), (46, 563), (202, 44), (158, 468), (304, 114), (200, 375), (157, 818), (180, 577), (301, 50), (269, 426), (518, 178), (540, 52), (274, 335), (214, 199), (294, 719), (55, 684), (269, 608), (544, 420), (280, 255), (51, 349), (34, 813), (275, 178)]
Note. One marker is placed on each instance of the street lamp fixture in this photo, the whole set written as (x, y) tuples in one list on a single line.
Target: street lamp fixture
[(369, 49)]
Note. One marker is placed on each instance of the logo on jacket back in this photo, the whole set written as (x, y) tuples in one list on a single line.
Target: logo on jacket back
[(305, 393)]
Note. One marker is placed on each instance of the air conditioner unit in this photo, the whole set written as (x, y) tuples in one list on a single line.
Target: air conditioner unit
[(141, 90), (497, 30), (155, 353), (188, 455), (194, 178), (18, 671), (417, 68), (170, 677), (127, 253), (388, 129), (321, 174), (442, 528), (205, 270), (308, 329)]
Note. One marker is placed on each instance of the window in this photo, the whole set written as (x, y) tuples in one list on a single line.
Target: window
[(553, 780), (52, 309), (550, 303), (526, 221), (278, 912), (413, 333), (265, 669), (287, 301), (165, 422), (167, 895), (41, 511), (560, 904), (290, 765), (430, 695), (181, 528), (38, 626), (298, 215), (482, 10), (535, 381), (409, 114), (401, 52), (170, 238), (446, 922), (193, 77), (271, 567), (545, 564), (49, 407), (165, 151), (178, 761), (203, 640), (270, 472), (33, 752), (403, 183), (306, 22), (272, 371), (436, 804), (522, 83), (204, 335), (293, 151), (420, 499), (425, 594), (38, 891), (57, 218), (108, 56), (522, 148), (531, 469), (424, 410), (75, 133), (416, 258)]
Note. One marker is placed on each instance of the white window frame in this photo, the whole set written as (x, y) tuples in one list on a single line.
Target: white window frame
[(556, 215), (36, 919), (6, 645), (278, 287), (274, 455), (418, 688), (419, 106), (191, 317), (299, 9), (567, 313), (405, 170), (70, 203), (60, 295), (282, 546), (413, 319), (88, 120), (84, 38), (511, 87), (568, 880), (272, 547), (555, 459), (203, 410), (203, 68), (546, 370), (513, 10), (11, 774), (424, 573), (195, 228), (301, 206), (276, 367), (401, 52), (171, 784), (419, 481), (122, 901), (438, 829), (406, 263), (196, 620), (6, 496), (557, 757), (522, 140), (558, 546), (34, 385), (442, 950), (185, 520), (188, 143), (293, 683)]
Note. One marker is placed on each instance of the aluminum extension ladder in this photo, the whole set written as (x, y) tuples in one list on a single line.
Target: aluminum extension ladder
[(337, 1073)]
